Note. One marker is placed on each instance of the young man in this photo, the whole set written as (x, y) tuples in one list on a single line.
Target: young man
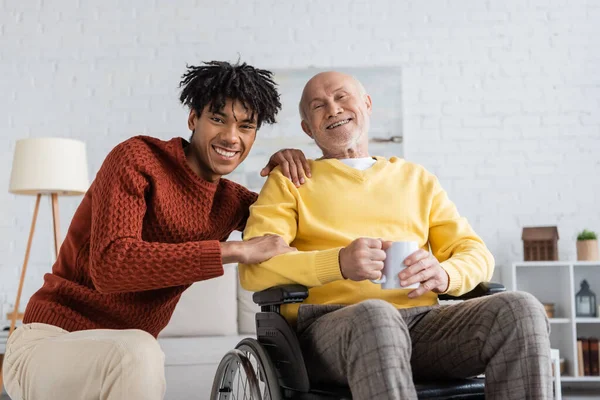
[(352, 331), (154, 221)]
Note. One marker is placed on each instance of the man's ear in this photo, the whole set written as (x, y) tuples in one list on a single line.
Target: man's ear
[(306, 128), (192, 120), (368, 103)]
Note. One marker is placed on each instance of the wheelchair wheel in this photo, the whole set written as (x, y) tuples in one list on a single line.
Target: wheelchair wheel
[(246, 373), (235, 378), (263, 367)]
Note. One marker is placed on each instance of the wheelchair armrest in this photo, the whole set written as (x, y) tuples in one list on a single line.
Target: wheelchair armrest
[(483, 289), (287, 294), (278, 295)]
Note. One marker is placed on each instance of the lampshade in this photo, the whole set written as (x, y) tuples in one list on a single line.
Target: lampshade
[(49, 165)]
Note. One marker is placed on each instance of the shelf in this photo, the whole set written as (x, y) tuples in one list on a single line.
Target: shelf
[(587, 320), (522, 264), (536, 264), (586, 263), (580, 378), (558, 282), (559, 320)]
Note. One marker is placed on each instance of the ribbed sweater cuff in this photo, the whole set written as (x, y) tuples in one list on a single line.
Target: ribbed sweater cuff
[(327, 265), (454, 276), (41, 312), (210, 262)]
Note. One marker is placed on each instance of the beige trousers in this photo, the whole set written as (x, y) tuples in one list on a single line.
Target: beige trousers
[(46, 362)]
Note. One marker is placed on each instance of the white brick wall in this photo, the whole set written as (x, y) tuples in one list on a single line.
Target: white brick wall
[(501, 99)]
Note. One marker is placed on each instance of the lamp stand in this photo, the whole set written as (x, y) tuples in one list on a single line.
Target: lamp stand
[(55, 224)]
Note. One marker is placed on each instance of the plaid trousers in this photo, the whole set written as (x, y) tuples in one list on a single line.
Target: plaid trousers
[(379, 350)]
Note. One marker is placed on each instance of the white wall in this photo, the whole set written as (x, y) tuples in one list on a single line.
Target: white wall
[(501, 98)]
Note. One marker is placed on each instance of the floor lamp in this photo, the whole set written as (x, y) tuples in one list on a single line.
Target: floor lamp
[(46, 166)]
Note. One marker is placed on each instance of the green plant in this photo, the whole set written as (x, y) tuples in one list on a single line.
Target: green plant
[(587, 235)]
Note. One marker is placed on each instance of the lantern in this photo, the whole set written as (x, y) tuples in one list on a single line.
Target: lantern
[(585, 301)]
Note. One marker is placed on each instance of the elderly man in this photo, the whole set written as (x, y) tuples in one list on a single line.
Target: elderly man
[(341, 221)]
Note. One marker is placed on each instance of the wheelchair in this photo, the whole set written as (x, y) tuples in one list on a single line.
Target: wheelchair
[(272, 367)]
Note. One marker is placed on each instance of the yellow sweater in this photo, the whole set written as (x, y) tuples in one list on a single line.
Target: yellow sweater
[(393, 200)]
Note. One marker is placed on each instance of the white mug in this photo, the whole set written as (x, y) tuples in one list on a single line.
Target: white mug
[(394, 264)]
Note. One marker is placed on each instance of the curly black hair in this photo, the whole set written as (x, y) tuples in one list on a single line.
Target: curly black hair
[(216, 81)]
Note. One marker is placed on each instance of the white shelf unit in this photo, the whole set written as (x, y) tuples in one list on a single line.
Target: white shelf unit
[(557, 282)]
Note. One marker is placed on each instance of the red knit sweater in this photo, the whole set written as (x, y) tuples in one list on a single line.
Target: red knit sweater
[(147, 228)]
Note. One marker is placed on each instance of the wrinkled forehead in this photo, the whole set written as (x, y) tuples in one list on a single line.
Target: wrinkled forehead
[(325, 84)]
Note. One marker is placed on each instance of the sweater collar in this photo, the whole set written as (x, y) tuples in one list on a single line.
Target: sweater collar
[(380, 163)]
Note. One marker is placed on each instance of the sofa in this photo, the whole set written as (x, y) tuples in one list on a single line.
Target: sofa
[(209, 320)]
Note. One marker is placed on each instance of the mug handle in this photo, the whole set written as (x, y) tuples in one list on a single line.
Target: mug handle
[(383, 279)]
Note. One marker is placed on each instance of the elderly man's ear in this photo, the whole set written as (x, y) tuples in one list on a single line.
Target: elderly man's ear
[(306, 128), (369, 103)]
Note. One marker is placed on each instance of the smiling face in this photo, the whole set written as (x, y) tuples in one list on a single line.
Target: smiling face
[(335, 112), (221, 139)]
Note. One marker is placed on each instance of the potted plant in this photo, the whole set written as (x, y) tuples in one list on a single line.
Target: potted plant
[(587, 246)]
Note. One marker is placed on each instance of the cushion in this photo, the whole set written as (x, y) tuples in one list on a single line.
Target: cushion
[(246, 311), (207, 308), (246, 307)]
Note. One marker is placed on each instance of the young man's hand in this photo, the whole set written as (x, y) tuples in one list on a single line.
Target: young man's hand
[(255, 250), (293, 165)]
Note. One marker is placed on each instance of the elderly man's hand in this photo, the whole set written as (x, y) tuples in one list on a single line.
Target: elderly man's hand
[(363, 259), (424, 267), (293, 165)]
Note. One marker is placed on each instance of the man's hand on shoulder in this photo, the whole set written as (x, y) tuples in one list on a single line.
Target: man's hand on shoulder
[(423, 267), (293, 163), (363, 259)]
